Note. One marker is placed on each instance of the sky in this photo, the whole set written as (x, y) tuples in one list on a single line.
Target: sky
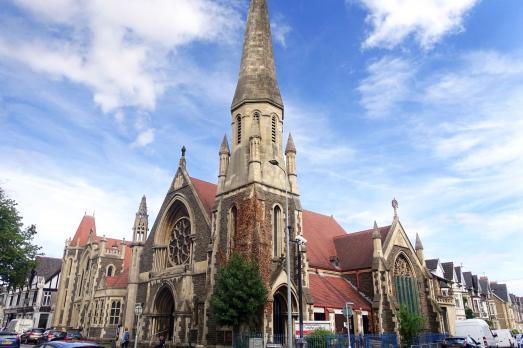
[(417, 100)]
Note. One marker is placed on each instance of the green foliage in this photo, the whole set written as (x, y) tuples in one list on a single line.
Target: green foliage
[(411, 325), (469, 314), (515, 332), (17, 251), (490, 324), (239, 293), (318, 338)]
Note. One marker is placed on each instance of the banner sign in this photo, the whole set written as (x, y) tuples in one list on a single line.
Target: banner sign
[(310, 326)]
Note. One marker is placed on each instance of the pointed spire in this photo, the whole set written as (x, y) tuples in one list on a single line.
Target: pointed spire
[(376, 232), (419, 246), (142, 209), (290, 145), (257, 78), (224, 148)]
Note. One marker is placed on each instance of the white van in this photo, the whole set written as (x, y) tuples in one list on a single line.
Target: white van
[(20, 325), (505, 338), (477, 329)]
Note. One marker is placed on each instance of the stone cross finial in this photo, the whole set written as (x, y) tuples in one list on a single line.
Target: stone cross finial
[(183, 150), (182, 159), (395, 206)]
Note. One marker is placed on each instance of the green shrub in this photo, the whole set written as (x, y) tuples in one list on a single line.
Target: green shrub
[(411, 325), (318, 338)]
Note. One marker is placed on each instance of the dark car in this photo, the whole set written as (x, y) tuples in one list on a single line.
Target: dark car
[(9, 339), (460, 341), (73, 336), (32, 336), (51, 335), (69, 344)]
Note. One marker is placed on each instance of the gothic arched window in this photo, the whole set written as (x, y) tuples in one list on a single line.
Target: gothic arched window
[(276, 231), (406, 284), (256, 116), (239, 128), (110, 271), (273, 129), (180, 241)]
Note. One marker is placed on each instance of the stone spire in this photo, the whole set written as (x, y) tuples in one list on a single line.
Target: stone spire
[(419, 246), (224, 148), (257, 79), (419, 250), (376, 242), (141, 222), (290, 145), (376, 232)]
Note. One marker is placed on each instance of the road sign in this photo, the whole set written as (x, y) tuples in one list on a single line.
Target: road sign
[(347, 312)]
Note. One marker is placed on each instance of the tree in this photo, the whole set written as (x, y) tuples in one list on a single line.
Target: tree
[(239, 294), (410, 325), (469, 314), (17, 251)]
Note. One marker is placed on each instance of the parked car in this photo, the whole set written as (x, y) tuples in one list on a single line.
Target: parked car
[(460, 341), (505, 338), (9, 339), (68, 344), (477, 329), (19, 326), (31, 336), (51, 335), (73, 336)]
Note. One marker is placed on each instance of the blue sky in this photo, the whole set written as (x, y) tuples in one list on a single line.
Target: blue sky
[(422, 102)]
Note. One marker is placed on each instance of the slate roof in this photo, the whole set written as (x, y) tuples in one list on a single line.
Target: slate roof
[(355, 249), (468, 279), (500, 290), (333, 291), (448, 270), (458, 274), (483, 281), (432, 264), (47, 267), (475, 283)]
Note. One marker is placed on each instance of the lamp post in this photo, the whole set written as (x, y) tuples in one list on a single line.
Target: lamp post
[(275, 162), (300, 241), (138, 310)]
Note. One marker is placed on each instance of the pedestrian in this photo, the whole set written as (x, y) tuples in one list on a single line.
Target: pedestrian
[(520, 341), (124, 341), (161, 341)]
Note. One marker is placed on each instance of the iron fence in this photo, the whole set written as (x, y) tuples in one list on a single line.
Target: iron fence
[(386, 340)]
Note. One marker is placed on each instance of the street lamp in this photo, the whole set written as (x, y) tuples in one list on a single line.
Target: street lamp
[(275, 162), (300, 242), (138, 310)]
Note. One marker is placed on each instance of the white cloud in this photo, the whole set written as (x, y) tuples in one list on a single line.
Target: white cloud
[(280, 29), (145, 138), (119, 49), (428, 21), (387, 85)]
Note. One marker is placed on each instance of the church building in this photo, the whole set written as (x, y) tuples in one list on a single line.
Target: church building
[(170, 265)]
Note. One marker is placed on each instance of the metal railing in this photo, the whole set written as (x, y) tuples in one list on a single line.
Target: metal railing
[(386, 340)]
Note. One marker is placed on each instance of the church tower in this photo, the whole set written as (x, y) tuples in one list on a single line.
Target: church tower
[(257, 177), (140, 229)]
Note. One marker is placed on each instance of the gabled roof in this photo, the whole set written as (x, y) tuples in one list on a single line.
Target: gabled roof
[(207, 193), (458, 274), (320, 230), (84, 229), (475, 283), (47, 267), (468, 279), (355, 249), (333, 292), (448, 270), (500, 290), (432, 264), (485, 288)]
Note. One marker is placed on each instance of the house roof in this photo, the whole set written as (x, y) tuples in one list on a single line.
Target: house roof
[(483, 281), (333, 292), (475, 283), (458, 273), (448, 270), (355, 249), (500, 290), (47, 267), (468, 279), (207, 193), (432, 264), (320, 230), (82, 233)]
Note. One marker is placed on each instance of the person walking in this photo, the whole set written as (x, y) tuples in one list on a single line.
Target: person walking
[(124, 341), (161, 342)]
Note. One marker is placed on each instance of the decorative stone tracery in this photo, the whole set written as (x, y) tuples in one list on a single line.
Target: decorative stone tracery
[(180, 242), (402, 267)]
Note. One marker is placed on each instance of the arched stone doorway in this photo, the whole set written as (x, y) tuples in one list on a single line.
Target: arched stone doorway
[(164, 314), (279, 314)]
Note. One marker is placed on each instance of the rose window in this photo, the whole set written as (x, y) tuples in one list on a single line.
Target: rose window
[(180, 242)]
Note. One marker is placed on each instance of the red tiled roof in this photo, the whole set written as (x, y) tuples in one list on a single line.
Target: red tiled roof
[(206, 191), (320, 230), (82, 233), (122, 280), (334, 292), (355, 249)]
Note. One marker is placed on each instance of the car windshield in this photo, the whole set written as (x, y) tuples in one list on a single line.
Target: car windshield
[(456, 339), (6, 335), (38, 330)]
